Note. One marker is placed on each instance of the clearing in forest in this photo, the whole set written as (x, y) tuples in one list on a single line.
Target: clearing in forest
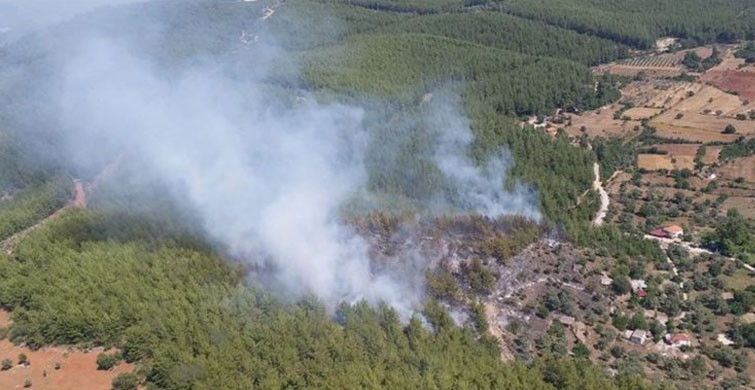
[(652, 162), (76, 369)]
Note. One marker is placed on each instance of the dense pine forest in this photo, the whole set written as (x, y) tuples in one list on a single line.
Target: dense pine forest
[(133, 272)]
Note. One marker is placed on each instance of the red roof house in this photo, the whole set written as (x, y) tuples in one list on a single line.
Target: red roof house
[(658, 233)]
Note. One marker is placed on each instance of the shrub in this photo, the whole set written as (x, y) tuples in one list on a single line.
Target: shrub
[(106, 362), (27, 383), (580, 351), (621, 285), (125, 382), (7, 364), (22, 359), (480, 278), (729, 129)]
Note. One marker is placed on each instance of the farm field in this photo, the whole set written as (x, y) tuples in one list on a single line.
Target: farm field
[(742, 82), (664, 161), (714, 101), (600, 123), (675, 175), (692, 126), (742, 167), (639, 113), (711, 154), (657, 65)]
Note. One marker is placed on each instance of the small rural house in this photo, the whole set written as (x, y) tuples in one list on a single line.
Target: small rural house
[(639, 336), (672, 231), (566, 320), (678, 340)]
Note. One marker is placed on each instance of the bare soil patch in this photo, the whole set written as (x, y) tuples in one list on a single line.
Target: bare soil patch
[(699, 127), (679, 149), (78, 369), (732, 80), (670, 95), (600, 123), (740, 167), (710, 100), (640, 92), (711, 154), (639, 113), (745, 205), (631, 71), (653, 162)]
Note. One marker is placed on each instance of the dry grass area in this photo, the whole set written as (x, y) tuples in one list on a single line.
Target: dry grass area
[(600, 123), (732, 80), (740, 280), (653, 162), (631, 71), (695, 134), (732, 63), (696, 127), (670, 95), (715, 101), (639, 113), (711, 154), (740, 167), (676, 150), (744, 204), (732, 74), (77, 368), (656, 65), (640, 92)]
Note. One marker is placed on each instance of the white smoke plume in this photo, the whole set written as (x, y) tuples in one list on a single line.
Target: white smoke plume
[(266, 177), (481, 189)]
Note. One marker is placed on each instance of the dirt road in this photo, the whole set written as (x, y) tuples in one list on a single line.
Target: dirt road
[(597, 185), (79, 200), (665, 242)]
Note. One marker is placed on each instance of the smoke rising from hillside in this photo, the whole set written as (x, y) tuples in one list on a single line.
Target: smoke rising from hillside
[(266, 176), (481, 189)]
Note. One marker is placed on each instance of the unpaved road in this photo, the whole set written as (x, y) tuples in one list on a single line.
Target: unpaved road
[(665, 242), (597, 185), (79, 200), (491, 313)]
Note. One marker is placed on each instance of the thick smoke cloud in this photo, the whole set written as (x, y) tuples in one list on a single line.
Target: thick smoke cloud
[(266, 176), (21, 16), (267, 179)]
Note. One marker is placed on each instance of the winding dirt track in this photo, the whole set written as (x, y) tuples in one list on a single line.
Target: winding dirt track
[(665, 242), (597, 185), (79, 200)]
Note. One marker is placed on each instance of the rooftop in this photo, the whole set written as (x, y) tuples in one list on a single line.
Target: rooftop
[(673, 229)]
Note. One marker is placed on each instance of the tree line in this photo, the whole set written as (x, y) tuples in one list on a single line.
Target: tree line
[(191, 322)]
